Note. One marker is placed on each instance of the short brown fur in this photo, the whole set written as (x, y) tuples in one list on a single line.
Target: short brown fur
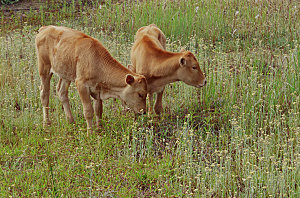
[(75, 56), (150, 58)]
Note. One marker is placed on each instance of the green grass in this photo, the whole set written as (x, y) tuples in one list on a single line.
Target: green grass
[(236, 137)]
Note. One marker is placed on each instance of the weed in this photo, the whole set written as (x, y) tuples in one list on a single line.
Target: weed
[(236, 137)]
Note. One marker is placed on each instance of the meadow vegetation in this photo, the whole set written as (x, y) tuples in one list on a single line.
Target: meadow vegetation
[(236, 137)]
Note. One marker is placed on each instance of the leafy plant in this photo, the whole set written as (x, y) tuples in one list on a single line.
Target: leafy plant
[(9, 2)]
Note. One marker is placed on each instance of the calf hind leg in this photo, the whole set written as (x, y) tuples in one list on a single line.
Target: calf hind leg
[(62, 92), (45, 77)]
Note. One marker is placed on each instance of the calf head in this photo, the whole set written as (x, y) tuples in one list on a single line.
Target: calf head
[(135, 93), (189, 71)]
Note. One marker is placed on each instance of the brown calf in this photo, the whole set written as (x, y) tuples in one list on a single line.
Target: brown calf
[(160, 67), (75, 56)]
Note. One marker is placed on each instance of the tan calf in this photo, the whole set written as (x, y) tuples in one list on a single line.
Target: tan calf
[(160, 67), (75, 56)]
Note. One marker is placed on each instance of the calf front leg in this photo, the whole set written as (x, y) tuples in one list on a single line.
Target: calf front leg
[(88, 111), (98, 108), (158, 105), (150, 103), (62, 92)]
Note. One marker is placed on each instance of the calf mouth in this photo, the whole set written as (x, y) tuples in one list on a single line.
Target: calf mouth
[(141, 112), (136, 111), (201, 85)]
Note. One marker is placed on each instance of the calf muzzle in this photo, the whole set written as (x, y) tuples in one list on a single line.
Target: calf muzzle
[(202, 85)]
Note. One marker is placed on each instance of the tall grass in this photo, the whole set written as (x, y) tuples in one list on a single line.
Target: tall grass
[(236, 137), (273, 23)]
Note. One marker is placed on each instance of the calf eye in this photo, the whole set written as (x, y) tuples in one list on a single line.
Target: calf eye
[(194, 67), (140, 95)]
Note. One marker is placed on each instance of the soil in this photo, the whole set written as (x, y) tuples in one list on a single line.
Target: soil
[(14, 16), (25, 5), (22, 5)]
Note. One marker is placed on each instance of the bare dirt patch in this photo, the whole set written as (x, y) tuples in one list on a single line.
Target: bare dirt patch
[(29, 12)]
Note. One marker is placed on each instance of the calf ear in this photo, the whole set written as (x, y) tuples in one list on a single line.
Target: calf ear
[(143, 79), (129, 79), (131, 68), (182, 61)]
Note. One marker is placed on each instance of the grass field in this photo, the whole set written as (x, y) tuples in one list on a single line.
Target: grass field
[(236, 137)]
